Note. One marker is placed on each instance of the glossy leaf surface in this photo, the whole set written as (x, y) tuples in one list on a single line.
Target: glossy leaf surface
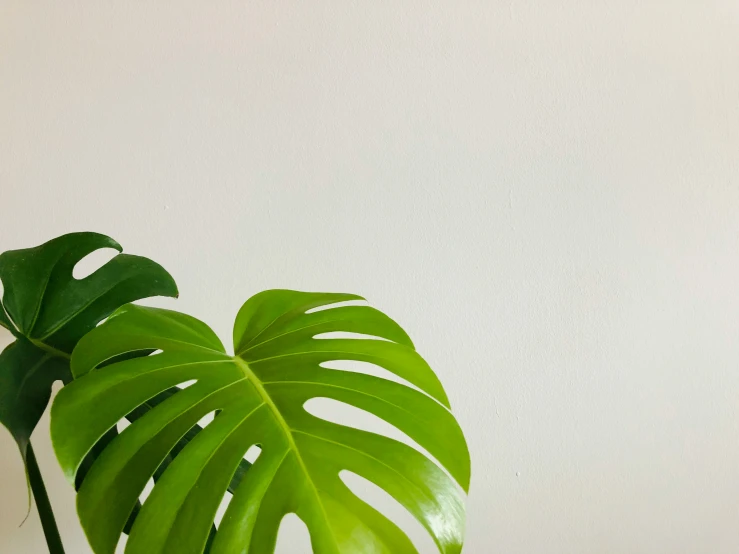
[(259, 396)]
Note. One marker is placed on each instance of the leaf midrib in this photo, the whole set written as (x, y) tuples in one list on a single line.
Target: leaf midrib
[(50, 349), (30, 372), (287, 430), (79, 310), (41, 296), (36, 342)]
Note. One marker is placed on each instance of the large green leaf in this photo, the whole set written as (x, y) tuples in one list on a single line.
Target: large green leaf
[(259, 395), (49, 310)]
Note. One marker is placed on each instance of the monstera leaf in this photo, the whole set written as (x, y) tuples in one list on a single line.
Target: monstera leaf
[(258, 398), (48, 310)]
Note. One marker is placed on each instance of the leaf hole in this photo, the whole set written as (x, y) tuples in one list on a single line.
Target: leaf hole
[(122, 424), (145, 407), (121, 546), (368, 368), (222, 507), (293, 536), (92, 262), (207, 419), (348, 335), (253, 453), (338, 305), (156, 352), (186, 384), (384, 503), (147, 491), (129, 355), (341, 413)]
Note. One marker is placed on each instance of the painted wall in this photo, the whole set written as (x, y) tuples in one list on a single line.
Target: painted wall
[(545, 194)]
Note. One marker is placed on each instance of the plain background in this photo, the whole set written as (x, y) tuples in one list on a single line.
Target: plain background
[(544, 193)]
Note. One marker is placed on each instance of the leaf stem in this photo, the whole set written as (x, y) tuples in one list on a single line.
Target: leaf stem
[(50, 349), (53, 539)]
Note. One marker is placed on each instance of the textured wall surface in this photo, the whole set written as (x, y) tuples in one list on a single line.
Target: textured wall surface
[(545, 194)]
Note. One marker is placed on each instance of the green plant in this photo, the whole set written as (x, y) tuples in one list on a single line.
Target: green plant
[(135, 365), (48, 311)]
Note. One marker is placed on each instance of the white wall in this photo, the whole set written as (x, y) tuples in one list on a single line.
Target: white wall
[(545, 194)]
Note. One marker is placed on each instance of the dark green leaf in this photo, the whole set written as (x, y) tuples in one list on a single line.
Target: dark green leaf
[(259, 395), (49, 310)]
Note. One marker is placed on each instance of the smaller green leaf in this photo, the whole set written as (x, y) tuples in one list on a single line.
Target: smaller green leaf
[(52, 308)]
